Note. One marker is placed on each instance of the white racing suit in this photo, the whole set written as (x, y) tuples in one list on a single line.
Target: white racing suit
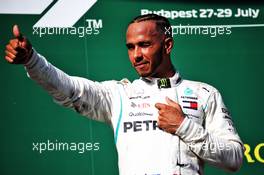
[(207, 133)]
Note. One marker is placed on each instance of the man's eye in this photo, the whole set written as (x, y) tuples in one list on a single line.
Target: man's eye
[(130, 46), (144, 44)]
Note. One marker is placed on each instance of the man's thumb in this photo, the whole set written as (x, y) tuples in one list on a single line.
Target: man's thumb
[(172, 103), (17, 33)]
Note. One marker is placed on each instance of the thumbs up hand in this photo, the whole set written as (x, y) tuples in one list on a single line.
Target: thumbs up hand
[(170, 116), (18, 50)]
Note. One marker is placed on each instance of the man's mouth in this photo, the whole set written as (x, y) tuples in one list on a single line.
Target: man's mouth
[(140, 65)]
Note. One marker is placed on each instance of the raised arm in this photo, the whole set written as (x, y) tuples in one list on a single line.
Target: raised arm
[(92, 99)]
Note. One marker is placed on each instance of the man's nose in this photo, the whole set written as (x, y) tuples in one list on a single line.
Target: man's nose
[(137, 53)]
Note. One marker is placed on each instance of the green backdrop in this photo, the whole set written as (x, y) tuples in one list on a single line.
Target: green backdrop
[(231, 62)]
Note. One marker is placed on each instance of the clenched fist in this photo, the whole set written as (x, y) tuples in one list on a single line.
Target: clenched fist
[(170, 116), (18, 50)]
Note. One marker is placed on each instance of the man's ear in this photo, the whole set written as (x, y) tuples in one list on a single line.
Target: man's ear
[(168, 45)]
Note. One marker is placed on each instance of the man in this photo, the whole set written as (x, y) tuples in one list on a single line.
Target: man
[(162, 123)]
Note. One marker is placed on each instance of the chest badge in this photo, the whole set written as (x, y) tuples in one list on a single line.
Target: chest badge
[(164, 83)]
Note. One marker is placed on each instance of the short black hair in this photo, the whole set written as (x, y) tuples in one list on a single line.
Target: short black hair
[(162, 23)]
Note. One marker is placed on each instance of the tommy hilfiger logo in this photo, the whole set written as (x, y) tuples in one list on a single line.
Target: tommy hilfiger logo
[(190, 104)]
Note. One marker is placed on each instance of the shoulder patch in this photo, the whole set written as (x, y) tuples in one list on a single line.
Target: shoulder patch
[(125, 81)]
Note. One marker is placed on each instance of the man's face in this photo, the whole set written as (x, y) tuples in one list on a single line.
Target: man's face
[(145, 47)]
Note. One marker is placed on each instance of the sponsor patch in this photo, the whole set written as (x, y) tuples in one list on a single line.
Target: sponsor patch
[(190, 104)]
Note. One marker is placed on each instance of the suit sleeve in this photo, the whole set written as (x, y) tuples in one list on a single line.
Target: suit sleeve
[(217, 142), (92, 99)]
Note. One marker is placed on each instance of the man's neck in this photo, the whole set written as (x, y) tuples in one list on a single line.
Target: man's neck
[(169, 72)]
